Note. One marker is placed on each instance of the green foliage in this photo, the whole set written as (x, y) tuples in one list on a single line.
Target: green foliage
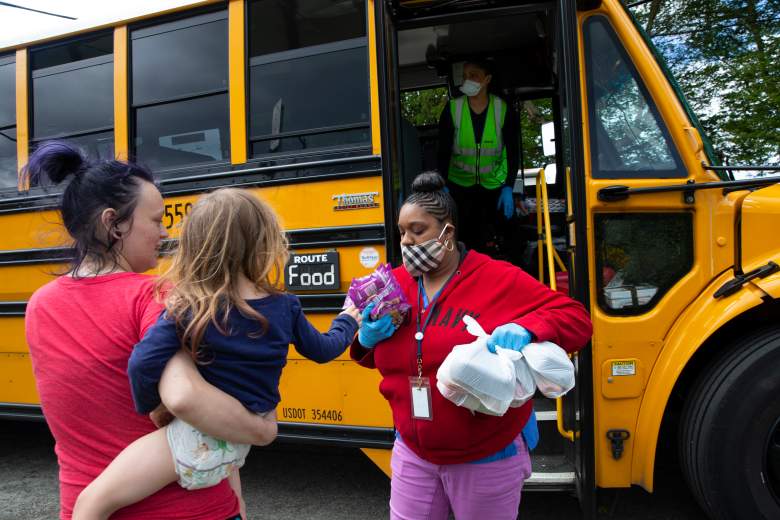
[(423, 107), (533, 114), (725, 55)]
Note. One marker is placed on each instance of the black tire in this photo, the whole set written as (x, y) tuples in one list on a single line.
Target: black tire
[(730, 431)]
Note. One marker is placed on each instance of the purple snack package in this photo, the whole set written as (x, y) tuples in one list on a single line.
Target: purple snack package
[(381, 288)]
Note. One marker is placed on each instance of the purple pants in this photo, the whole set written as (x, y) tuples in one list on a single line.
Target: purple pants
[(421, 490)]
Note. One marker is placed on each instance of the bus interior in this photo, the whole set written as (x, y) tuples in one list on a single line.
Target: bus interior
[(521, 49)]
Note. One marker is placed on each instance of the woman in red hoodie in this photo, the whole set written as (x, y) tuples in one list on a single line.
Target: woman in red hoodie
[(446, 458)]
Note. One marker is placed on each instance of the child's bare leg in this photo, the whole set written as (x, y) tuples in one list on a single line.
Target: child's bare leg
[(141, 469), (235, 484)]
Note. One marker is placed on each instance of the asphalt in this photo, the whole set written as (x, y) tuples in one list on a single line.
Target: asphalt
[(295, 482)]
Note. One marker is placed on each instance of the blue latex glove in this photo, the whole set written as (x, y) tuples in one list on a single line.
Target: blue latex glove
[(373, 331), (506, 203), (511, 336), (446, 189)]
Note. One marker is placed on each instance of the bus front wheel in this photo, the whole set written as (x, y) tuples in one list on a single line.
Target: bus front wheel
[(730, 431)]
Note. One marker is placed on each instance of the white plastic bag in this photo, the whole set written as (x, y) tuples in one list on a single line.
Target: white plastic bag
[(551, 368), (451, 391), (470, 370), (474, 378), (525, 385)]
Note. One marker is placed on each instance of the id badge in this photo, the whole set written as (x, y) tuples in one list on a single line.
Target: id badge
[(420, 388)]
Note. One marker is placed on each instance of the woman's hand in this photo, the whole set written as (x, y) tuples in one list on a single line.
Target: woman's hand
[(510, 336), (160, 416), (268, 429), (269, 416), (373, 331)]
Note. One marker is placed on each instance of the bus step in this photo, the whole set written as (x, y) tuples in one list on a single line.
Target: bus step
[(550, 473), (550, 441)]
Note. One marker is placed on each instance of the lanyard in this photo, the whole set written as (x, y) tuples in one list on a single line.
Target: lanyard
[(420, 334)]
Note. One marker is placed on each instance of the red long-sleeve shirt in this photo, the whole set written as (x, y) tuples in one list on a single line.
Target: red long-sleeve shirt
[(494, 293), (81, 333)]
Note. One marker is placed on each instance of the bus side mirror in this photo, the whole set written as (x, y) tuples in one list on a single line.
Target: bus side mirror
[(548, 139)]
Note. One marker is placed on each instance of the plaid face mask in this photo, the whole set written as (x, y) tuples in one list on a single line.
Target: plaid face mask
[(421, 258)]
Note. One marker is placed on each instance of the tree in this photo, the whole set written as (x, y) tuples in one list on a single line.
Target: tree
[(423, 107), (533, 114), (725, 56)]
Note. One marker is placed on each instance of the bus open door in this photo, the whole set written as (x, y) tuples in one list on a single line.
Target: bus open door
[(526, 44), (667, 249)]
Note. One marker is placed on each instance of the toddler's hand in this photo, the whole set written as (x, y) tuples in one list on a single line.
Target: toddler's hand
[(160, 416), (355, 313)]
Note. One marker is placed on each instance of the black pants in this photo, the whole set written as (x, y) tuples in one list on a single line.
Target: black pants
[(477, 216)]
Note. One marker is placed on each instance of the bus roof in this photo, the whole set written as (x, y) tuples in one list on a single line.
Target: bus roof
[(24, 28)]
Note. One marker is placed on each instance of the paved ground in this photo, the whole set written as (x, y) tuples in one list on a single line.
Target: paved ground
[(291, 482)]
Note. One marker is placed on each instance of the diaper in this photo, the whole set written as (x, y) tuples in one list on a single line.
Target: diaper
[(200, 460)]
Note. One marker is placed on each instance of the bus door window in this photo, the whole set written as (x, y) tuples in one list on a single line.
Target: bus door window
[(640, 256), (72, 94), (308, 76), (8, 166), (628, 137), (179, 92)]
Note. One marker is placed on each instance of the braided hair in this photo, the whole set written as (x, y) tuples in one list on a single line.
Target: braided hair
[(428, 192)]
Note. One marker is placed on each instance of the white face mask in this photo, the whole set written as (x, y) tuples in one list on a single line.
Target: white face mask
[(470, 88)]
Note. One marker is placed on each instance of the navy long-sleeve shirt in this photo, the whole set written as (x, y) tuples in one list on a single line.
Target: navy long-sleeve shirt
[(244, 363)]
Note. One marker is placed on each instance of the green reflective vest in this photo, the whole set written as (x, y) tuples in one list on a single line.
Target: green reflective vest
[(483, 163)]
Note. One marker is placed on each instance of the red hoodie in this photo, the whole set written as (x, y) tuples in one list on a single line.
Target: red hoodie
[(494, 293)]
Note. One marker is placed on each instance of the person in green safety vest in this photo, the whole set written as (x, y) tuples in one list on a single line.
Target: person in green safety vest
[(479, 156)]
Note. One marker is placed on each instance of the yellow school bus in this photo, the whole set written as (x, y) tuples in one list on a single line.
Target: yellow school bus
[(302, 102)]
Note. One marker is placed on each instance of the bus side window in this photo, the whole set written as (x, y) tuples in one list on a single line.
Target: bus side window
[(180, 92), (73, 95), (308, 76), (640, 257), (628, 137), (8, 164)]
